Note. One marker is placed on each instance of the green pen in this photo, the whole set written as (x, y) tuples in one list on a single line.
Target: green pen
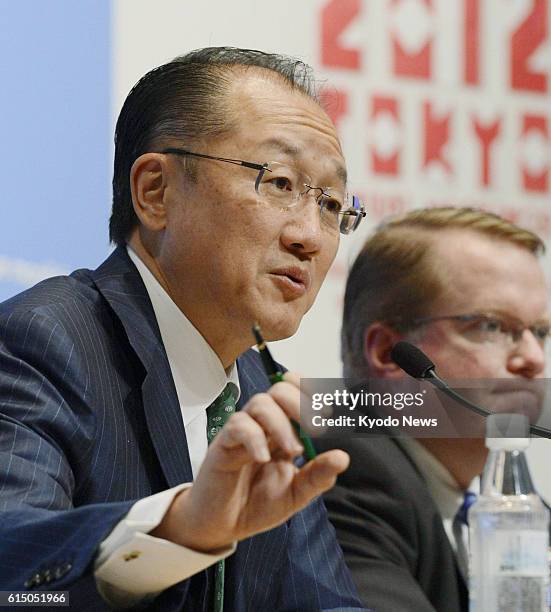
[(275, 375)]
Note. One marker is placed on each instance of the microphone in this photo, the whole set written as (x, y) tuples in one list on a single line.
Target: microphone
[(415, 363), (412, 360)]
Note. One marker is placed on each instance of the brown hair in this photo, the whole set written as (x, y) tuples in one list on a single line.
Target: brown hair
[(394, 273)]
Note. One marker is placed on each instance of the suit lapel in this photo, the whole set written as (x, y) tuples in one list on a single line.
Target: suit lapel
[(252, 377), (120, 284), (443, 536)]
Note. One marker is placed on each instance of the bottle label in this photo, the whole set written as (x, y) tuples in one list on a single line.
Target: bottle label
[(521, 552), (521, 569)]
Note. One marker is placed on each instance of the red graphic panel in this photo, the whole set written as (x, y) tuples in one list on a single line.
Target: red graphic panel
[(436, 136), (409, 63), (385, 124), (336, 16), (472, 38), (335, 103), (528, 37), (535, 174), (486, 135)]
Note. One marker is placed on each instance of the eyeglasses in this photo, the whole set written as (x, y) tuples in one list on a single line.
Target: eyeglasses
[(490, 328), (284, 186)]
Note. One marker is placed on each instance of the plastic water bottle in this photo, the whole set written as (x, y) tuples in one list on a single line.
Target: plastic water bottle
[(508, 527)]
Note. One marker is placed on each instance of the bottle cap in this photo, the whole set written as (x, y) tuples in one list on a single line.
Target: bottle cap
[(507, 432)]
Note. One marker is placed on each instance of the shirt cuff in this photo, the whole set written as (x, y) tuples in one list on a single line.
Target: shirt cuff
[(132, 565)]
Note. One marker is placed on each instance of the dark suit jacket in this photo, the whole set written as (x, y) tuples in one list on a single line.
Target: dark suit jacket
[(90, 423), (390, 531)]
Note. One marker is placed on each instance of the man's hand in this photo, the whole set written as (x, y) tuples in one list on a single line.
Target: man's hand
[(248, 482)]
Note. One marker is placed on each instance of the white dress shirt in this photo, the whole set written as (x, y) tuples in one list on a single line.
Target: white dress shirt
[(446, 493), (131, 564)]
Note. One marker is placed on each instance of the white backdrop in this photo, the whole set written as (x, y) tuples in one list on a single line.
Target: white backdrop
[(436, 102)]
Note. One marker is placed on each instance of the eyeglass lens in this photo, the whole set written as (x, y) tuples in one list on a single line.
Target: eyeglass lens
[(284, 186)]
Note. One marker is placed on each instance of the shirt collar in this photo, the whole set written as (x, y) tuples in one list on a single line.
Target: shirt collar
[(444, 490), (198, 374)]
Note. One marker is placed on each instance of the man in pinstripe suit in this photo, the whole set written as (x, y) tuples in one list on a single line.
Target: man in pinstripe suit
[(107, 487)]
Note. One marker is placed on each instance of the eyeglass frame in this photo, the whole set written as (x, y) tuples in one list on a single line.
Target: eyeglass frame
[(513, 333), (359, 213)]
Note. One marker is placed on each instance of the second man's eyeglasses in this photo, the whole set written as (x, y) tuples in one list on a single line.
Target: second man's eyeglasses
[(489, 328)]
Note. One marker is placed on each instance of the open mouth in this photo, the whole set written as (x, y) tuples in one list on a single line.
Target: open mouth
[(293, 280)]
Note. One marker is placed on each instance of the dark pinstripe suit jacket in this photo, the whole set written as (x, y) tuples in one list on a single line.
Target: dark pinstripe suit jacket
[(90, 423)]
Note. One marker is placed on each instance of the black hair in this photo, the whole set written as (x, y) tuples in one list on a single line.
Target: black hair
[(184, 99)]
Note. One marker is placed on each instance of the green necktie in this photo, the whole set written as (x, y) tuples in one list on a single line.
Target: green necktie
[(217, 414)]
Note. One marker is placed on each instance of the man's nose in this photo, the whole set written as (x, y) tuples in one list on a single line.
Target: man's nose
[(303, 227), (528, 357)]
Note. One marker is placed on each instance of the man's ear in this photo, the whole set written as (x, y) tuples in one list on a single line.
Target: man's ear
[(379, 338), (148, 180)]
